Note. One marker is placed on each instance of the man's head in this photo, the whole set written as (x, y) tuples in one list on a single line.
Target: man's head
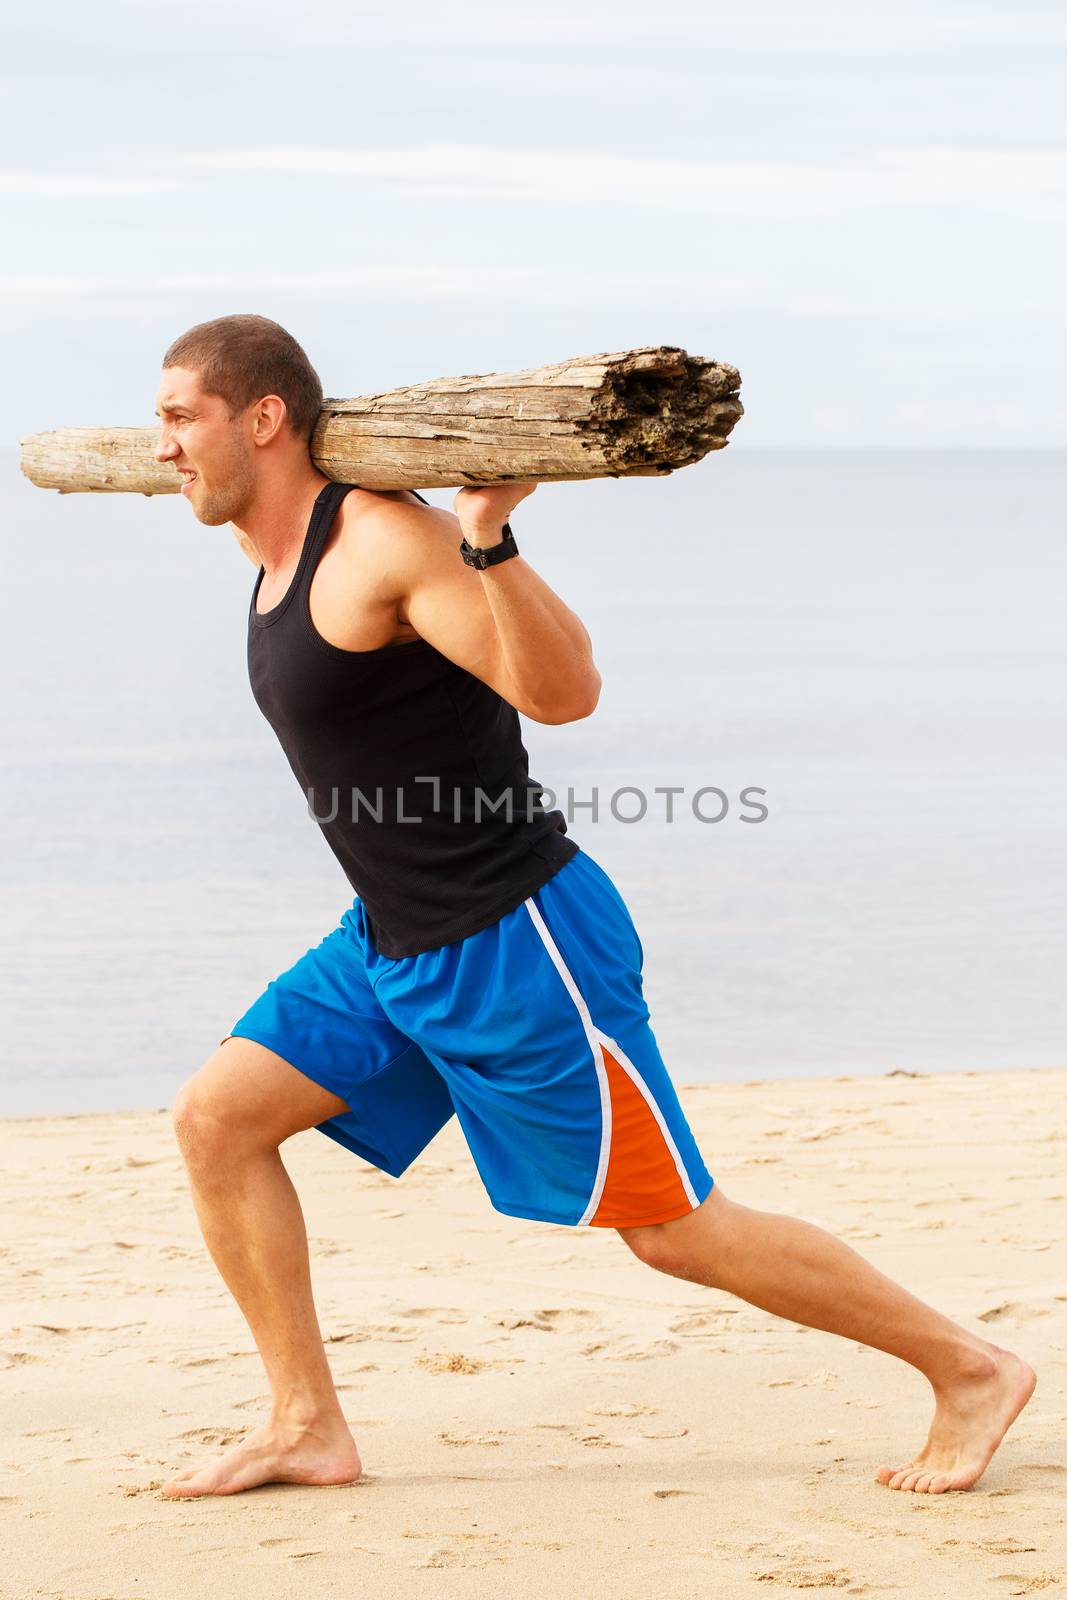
[(234, 392)]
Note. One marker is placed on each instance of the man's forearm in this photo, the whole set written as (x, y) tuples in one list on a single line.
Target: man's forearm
[(546, 648)]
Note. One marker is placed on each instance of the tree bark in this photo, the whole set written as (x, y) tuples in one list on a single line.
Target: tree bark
[(633, 413)]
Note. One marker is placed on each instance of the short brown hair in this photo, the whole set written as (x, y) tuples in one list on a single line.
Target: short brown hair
[(244, 357)]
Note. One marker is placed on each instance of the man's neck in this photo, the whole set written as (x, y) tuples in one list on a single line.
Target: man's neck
[(272, 527)]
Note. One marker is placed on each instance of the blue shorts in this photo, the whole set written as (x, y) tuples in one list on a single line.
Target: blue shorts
[(534, 1031)]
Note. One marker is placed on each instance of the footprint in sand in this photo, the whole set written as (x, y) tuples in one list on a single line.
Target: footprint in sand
[(374, 1332), (471, 1438), (649, 1352), (806, 1577), (820, 1379), (438, 1313), (624, 1410), (1014, 1311), (576, 1317), (1024, 1584), (468, 1550), (703, 1321)]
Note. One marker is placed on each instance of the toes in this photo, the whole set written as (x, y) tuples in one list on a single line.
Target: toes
[(911, 1479), (184, 1488), (940, 1482), (884, 1474), (179, 1480)]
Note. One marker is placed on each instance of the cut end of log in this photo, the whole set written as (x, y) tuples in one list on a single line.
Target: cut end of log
[(660, 409)]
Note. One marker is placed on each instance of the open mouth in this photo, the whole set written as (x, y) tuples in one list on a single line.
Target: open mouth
[(188, 478)]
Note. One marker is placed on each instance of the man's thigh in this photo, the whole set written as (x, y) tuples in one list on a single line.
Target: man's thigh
[(324, 1054)]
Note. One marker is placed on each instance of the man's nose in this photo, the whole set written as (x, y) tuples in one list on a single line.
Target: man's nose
[(166, 449)]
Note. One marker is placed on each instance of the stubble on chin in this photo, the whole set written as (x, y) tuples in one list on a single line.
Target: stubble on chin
[(216, 509), (217, 506)]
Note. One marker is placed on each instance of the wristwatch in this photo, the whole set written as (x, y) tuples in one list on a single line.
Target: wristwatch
[(478, 557)]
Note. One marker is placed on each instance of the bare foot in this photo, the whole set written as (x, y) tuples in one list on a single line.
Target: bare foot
[(970, 1421), (319, 1453)]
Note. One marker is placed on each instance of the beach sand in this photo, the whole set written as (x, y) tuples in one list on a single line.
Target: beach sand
[(537, 1412)]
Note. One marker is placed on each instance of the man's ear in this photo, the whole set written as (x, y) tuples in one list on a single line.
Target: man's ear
[(269, 416)]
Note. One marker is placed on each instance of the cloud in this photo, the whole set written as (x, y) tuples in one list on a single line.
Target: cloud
[(1021, 182), (1028, 183), (407, 283), (818, 29), (58, 186), (127, 295)]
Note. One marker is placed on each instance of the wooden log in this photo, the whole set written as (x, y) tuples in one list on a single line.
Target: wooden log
[(634, 413)]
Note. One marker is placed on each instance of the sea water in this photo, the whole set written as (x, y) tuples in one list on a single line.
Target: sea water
[(869, 647)]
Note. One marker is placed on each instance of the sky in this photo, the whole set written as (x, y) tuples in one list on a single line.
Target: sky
[(863, 207)]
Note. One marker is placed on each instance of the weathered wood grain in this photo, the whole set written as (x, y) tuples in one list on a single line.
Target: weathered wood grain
[(631, 413)]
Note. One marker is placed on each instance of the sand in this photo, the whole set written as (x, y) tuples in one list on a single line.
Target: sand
[(538, 1412)]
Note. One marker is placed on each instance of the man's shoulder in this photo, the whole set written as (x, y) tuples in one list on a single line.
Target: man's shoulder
[(385, 529), (385, 510)]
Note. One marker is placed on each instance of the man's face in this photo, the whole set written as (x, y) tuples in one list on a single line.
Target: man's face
[(213, 452)]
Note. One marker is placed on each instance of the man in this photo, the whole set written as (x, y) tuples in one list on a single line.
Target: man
[(488, 966)]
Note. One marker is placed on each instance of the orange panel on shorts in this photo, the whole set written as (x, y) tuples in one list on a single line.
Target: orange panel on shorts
[(642, 1180)]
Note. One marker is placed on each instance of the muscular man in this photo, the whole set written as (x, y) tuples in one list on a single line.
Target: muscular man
[(487, 966)]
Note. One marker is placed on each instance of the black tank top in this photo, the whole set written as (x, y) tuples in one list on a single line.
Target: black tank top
[(367, 732)]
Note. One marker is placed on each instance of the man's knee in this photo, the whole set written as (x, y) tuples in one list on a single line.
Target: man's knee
[(654, 1245), (247, 1098), (679, 1246), (199, 1117)]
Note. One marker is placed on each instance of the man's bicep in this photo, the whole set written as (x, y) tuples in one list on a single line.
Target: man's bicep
[(454, 616)]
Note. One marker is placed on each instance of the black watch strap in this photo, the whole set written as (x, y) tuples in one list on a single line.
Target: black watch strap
[(477, 557)]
